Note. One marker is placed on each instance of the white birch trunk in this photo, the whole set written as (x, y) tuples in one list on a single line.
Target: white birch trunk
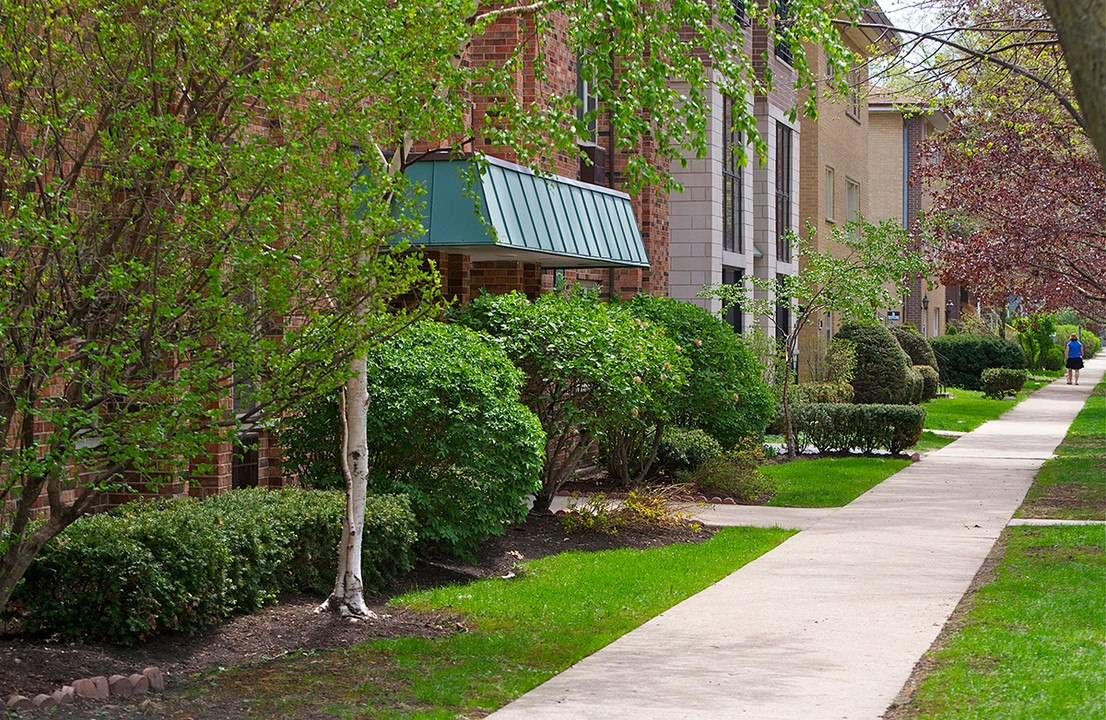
[(348, 597)]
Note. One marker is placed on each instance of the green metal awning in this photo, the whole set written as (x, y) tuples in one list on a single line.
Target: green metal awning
[(497, 210)]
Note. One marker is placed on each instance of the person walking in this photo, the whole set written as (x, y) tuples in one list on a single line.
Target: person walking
[(1075, 357)]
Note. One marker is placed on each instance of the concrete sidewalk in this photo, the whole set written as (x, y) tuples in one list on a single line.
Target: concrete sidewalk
[(830, 623)]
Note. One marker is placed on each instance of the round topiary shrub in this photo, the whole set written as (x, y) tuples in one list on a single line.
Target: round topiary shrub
[(914, 345), (930, 381), (1052, 358), (997, 383), (915, 385), (881, 365)]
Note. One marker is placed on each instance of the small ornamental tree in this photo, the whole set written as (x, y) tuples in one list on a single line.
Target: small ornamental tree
[(591, 368), (852, 282)]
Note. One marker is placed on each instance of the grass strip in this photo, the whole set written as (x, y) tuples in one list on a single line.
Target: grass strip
[(1032, 645), (968, 409), (829, 482), (522, 631), (1072, 485), (932, 441)]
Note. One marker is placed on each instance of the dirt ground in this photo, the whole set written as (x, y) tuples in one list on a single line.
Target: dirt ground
[(29, 666)]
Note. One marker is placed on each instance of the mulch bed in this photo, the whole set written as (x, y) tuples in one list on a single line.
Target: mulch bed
[(32, 665)]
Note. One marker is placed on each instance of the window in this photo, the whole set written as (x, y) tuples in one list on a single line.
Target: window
[(829, 193), (585, 95), (739, 11), (783, 192), (734, 316), (852, 204), (733, 232), (852, 102), (783, 20), (783, 313)]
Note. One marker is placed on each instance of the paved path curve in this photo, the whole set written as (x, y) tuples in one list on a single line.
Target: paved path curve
[(829, 624)]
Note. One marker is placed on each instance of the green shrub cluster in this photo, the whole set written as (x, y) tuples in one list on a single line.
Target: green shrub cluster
[(881, 365), (1052, 358), (724, 393), (1000, 382), (823, 392), (735, 473), (186, 564), (858, 427), (964, 357), (686, 449), (446, 429), (642, 508)]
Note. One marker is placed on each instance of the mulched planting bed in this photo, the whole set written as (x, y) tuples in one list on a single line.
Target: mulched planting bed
[(32, 665)]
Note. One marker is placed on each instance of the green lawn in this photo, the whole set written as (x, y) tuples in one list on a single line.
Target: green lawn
[(1032, 646), (968, 409), (522, 631), (829, 482)]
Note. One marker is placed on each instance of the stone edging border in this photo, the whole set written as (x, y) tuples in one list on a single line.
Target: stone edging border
[(96, 688)]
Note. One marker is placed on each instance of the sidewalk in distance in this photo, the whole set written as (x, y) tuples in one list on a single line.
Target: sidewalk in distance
[(830, 623)]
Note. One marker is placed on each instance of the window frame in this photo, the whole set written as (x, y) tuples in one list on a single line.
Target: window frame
[(784, 180), (733, 183)]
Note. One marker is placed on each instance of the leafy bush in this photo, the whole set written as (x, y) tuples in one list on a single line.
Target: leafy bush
[(832, 362), (1000, 382), (1052, 358), (734, 474), (446, 429), (642, 508), (931, 380), (185, 564), (592, 370), (1035, 335), (858, 427), (724, 394), (821, 393), (881, 364), (686, 449), (914, 345), (964, 357)]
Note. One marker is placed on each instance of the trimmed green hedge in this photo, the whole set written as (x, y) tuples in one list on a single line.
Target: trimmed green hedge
[(930, 379), (1000, 382), (963, 358), (186, 564), (858, 427), (914, 345)]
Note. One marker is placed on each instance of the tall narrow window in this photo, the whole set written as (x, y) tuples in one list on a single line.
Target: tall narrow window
[(783, 192), (587, 104), (852, 204), (829, 194), (733, 235), (734, 315), (783, 313), (783, 20), (739, 11), (852, 103)]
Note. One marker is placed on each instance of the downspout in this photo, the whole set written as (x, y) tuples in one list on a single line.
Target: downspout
[(610, 179)]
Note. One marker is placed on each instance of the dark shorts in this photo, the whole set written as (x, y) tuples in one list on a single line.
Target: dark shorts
[(1075, 363)]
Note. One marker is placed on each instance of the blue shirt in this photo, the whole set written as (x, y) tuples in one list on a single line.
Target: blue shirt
[(1075, 349)]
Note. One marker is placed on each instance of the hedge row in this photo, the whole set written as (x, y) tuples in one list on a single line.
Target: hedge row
[(963, 358), (858, 427), (185, 564)]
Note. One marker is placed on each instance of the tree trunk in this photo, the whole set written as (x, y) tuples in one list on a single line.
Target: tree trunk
[(348, 596), (1081, 26)]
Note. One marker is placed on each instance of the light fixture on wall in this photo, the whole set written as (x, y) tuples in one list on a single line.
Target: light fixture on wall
[(925, 303)]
